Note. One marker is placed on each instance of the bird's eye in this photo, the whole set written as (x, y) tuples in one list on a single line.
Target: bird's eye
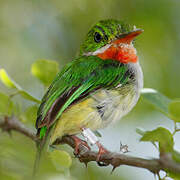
[(97, 37)]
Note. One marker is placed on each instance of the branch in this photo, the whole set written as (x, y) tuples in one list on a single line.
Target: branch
[(115, 159), (12, 123)]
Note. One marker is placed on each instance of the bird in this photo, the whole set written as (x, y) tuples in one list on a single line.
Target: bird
[(97, 88)]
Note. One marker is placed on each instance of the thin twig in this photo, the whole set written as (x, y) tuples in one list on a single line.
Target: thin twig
[(8, 124)]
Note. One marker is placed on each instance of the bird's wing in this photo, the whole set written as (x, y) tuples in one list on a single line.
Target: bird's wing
[(76, 81)]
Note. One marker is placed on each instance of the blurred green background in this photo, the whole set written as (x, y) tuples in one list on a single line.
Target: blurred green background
[(46, 29)]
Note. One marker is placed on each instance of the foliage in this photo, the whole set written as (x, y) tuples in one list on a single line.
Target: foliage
[(174, 109), (6, 105), (61, 159), (45, 70), (162, 136), (7, 81)]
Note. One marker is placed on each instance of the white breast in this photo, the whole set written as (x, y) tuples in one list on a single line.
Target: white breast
[(114, 104)]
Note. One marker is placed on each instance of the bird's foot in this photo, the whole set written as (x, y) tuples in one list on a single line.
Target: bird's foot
[(102, 150), (79, 142)]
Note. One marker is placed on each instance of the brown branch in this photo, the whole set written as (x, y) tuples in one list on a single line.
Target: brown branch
[(12, 123), (115, 159), (118, 159)]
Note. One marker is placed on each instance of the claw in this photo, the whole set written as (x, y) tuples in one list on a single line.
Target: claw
[(79, 142), (102, 150)]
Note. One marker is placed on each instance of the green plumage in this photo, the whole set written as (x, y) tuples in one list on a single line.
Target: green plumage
[(108, 29), (86, 74)]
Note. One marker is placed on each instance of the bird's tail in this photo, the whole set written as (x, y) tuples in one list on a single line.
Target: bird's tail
[(41, 146)]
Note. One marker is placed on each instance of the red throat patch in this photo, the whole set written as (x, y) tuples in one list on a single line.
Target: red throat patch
[(123, 53)]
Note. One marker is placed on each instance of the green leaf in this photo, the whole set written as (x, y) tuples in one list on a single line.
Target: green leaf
[(6, 105), (140, 131), (27, 96), (45, 70), (30, 114), (7, 81), (61, 159), (174, 110), (162, 136), (157, 99)]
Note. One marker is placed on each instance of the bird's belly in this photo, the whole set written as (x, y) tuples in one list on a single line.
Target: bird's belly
[(97, 111), (76, 117)]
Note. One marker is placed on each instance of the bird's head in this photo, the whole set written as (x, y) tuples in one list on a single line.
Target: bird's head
[(111, 39)]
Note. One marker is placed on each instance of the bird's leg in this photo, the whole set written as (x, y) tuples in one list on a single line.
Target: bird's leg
[(79, 142), (89, 135), (102, 150)]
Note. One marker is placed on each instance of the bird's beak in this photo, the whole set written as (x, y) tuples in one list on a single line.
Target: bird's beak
[(128, 37)]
